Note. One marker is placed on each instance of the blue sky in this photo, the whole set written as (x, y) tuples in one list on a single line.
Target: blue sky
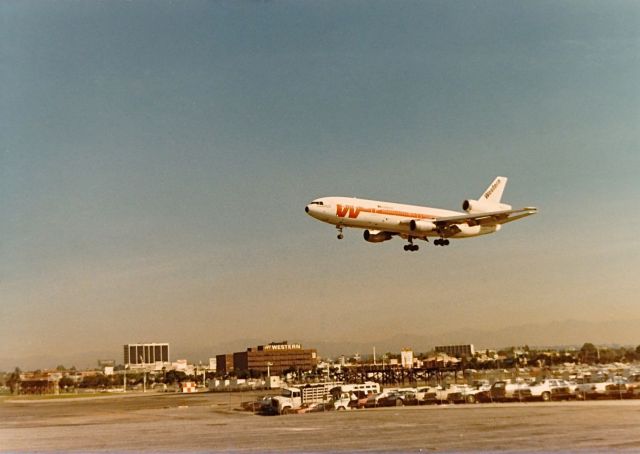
[(156, 158)]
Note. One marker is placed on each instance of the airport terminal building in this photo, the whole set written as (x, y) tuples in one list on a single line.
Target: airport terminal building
[(274, 358)]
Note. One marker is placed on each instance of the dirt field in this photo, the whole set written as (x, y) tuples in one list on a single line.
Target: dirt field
[(210, 422)]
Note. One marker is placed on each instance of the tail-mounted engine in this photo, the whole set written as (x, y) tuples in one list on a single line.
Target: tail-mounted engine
[(482, 206)]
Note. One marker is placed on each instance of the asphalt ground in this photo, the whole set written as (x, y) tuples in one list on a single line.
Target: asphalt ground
[(212, 422)]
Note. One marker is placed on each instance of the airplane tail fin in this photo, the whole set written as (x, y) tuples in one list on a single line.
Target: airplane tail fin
[(494, 192)]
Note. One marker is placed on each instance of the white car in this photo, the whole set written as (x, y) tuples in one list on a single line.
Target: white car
[(426, 395), (550, 389), (457, 394), (615, 388)]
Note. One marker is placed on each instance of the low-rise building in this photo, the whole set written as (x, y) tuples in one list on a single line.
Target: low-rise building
[(457, 351), (273, 358)]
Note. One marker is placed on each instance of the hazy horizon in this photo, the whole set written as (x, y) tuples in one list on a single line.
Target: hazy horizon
[(156, 158), (567, 333)]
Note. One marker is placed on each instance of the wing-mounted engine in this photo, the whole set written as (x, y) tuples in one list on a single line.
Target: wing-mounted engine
[(376, 236), (463, 230), (483, 206), (466, 230), (422, 226)]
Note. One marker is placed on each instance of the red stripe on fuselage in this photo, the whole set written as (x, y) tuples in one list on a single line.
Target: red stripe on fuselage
[(354, 211)]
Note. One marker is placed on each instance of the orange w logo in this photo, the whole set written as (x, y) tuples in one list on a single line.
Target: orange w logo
[(343, 210)]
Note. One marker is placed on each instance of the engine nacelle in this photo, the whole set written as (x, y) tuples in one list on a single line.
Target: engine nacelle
[(376, 236), (422, 226), (466, 230), (482, 206)]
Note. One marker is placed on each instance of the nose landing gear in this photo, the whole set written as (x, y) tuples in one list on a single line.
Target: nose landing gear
[(340, 235)]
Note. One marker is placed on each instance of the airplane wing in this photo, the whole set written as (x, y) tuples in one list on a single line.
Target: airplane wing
[(491, 217)]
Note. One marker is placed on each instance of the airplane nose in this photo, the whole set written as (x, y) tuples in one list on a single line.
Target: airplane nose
[(306, 209)]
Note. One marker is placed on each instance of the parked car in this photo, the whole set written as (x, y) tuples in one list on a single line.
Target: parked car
[(316, 407), (361, 399), (427, 395), (502, 391), (633, 387), (396, 399), (457, 394), (615, 388), (550, 389)]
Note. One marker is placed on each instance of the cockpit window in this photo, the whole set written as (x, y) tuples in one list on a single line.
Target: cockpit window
[(316, 203)]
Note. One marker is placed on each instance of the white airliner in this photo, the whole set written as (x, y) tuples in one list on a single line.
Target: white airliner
[(384, 220)]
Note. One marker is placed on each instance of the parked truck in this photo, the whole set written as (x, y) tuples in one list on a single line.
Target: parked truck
[(293, 398)]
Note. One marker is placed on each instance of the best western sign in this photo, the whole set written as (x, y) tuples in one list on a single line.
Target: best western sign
[(283, 347)]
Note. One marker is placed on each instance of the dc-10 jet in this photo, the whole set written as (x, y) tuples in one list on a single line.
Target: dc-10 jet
[(384, 220)]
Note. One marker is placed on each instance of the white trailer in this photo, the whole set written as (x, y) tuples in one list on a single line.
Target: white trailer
[(353, 395)]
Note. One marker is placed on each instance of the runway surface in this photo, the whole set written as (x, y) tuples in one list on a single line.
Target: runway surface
[(211, 422)]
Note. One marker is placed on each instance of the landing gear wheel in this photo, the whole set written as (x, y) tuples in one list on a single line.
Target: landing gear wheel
[(411, 247), (340, 236)]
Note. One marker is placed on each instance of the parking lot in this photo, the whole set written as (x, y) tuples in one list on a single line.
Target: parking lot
[(212, 422)]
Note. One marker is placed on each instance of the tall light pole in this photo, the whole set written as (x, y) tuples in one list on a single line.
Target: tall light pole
[(144, 375)]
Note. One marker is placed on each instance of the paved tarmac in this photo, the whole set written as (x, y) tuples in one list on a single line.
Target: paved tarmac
[(211, 422)]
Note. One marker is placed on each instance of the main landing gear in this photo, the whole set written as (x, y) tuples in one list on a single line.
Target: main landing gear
[(411, 247), (441, 242), (340, 235)]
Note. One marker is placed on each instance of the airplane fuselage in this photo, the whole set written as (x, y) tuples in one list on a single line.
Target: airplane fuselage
[(385, 216), (384, 220)]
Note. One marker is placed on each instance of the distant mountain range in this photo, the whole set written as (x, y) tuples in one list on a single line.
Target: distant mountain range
[(555, 333)]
